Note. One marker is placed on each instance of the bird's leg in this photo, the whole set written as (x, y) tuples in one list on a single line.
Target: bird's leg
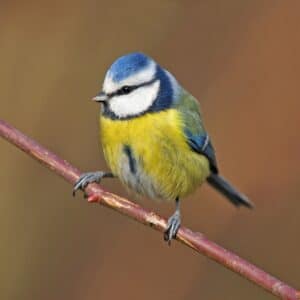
[(90, 177), (173, 224)]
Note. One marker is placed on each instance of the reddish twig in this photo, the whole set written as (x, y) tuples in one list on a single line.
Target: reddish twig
[(196, 241)]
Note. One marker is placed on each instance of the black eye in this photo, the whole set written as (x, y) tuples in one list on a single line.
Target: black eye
[(126, 89)]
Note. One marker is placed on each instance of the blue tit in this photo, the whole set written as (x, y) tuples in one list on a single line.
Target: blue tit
[(153, 137)]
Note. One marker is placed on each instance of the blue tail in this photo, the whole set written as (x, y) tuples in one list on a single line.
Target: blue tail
[(225, 188)]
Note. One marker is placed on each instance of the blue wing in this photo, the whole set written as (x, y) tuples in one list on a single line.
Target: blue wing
[(199, 141), (202, 144), (194, 130)]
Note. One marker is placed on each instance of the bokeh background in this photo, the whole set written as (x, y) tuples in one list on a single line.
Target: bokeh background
[(241, 59)]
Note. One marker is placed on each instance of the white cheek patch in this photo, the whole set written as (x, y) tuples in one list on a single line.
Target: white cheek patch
[(147, 74), (135, 103)]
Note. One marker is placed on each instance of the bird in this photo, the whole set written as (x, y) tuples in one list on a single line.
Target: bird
[(153, 137)]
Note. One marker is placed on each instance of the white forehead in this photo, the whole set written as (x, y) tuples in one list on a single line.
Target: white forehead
[(145, 75)]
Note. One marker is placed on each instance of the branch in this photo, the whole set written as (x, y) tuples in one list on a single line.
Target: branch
[(196, 241)]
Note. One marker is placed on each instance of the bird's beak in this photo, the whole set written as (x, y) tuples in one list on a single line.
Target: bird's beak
[(101, 97)]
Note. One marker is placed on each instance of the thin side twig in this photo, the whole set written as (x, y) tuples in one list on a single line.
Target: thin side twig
[(196, 241)]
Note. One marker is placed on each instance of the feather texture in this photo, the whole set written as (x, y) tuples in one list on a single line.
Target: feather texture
[(153, 137), (166, 167), (196, 136)]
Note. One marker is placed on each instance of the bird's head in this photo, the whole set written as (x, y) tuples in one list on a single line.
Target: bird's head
[(134, 85)]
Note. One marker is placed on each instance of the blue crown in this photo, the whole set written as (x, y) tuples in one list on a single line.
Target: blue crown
[(128, 65)]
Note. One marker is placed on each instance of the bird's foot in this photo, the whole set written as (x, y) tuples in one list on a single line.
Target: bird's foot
[(172, 227), (89, 177)]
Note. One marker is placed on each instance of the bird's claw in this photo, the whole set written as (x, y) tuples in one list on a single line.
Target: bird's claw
[(172, 227), (87, 178)]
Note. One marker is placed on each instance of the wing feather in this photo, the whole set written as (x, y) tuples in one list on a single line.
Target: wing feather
[(196, 135)]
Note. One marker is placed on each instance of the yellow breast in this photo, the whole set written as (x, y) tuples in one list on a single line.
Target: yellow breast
[(166, 166)]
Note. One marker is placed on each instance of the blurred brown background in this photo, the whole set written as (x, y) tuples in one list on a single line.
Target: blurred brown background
[(239, 58)]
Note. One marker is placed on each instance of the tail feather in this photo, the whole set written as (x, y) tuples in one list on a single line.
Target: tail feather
[(225, 188)]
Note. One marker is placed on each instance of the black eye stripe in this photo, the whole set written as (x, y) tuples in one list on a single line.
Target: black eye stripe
[(126, 90), (129, 89)]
